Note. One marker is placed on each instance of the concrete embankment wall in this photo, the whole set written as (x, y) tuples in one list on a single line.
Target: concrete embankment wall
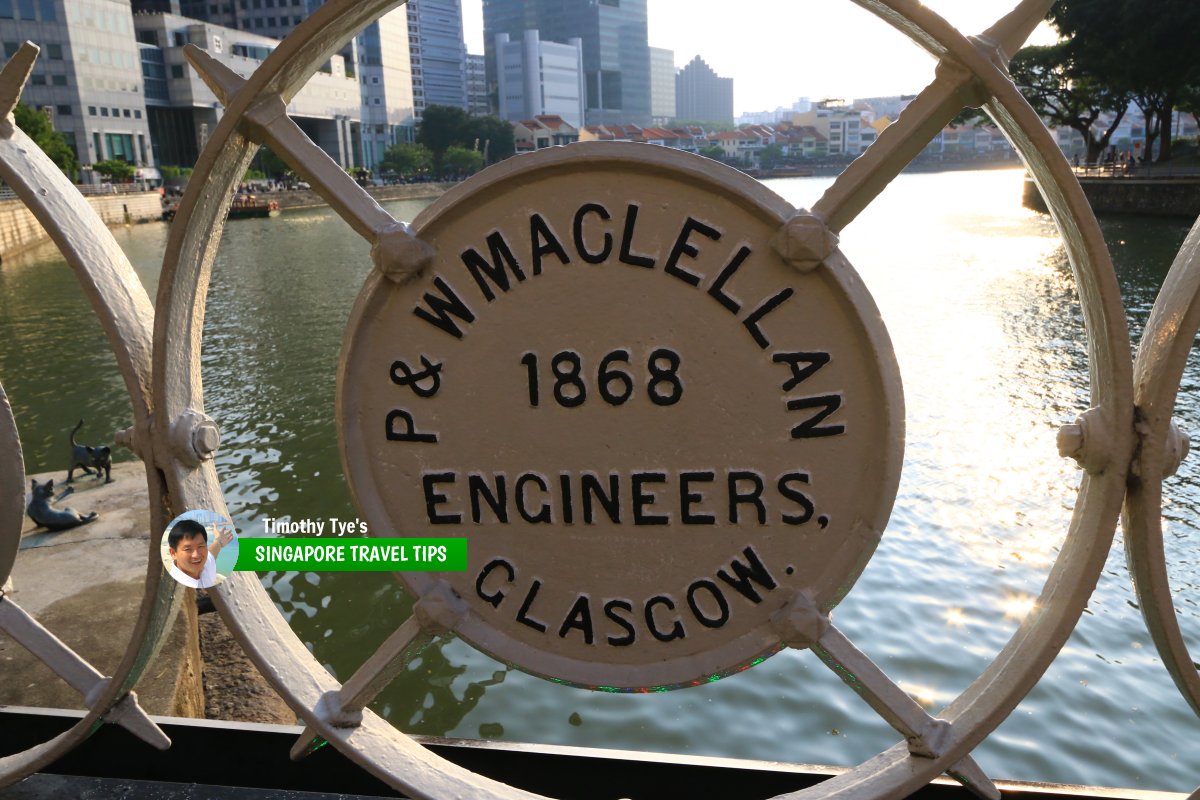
[(404, 191), (1161, 197), (19, 230)]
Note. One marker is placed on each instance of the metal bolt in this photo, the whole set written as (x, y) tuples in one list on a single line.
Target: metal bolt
[(400, 255), (1070, 440), (805, 241), (1087, 440), (1176, 449), (800, 623), (194, 437), (206, 438)]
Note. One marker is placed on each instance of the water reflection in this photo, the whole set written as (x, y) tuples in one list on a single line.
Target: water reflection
[(979, 301)]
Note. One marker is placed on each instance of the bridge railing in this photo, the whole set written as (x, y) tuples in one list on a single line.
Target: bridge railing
[(1123, 432)]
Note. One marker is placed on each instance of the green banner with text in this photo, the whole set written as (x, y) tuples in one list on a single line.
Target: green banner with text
[(382, 554)]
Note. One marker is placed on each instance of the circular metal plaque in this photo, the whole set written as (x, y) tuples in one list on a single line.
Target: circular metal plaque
[(651, 427)]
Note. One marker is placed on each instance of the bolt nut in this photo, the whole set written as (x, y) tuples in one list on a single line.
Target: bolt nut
[(400, 255), (206, 438), (1087, 440), (1176, 449), (805, 241), (194, 437), (800, 623)]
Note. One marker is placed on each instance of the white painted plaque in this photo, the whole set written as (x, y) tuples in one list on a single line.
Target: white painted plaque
[(651, 428)]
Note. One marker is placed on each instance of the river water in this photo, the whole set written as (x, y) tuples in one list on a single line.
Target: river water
[(978, 299)]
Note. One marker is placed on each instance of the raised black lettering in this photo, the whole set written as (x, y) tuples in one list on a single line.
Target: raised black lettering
[(434, 498), (642, 499), (738, 497), (544, 243), (610, 611), (722, 604), (579, 618), (754, 571), (811, 363), (493, 598), (688, 498), (543, 514), (717, 290), (685, 248), (497, 500), (577, 229), (676, 631), (564, 483), (810, 428), (523, 614), (480, 269), (442, 307), (627, 255), (591, 489), (764, 308), (799, 498), (409, 434)]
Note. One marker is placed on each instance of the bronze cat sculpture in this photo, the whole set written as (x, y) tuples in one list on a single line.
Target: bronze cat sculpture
[(55, 519), (87, 458)]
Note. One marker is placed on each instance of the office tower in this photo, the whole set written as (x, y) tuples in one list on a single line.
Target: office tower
[(701, 95), (662, 85), (388, 110), (540, 78), (377, 60), (88, 75), (616, 54), (478, 104), (183, 112), (435, 42)]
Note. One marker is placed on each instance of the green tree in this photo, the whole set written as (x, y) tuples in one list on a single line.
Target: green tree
[(406, 159), (115, 171), (443, 127), (1060, 91), (770, 156), (1146, 48), (462, 161), (713, 151), (494, 136), (37, 126)]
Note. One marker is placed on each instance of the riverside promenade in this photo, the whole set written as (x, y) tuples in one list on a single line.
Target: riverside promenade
[(1161, 190)]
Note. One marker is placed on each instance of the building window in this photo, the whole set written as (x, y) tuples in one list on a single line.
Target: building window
[(6, 9), (91, 111), (48, 14), (63, 111), (58, 80), (38, 80), (177, 70), (26, 9), (137, 113), (11, 48), (54, 52), (127, 113), (103, 111)]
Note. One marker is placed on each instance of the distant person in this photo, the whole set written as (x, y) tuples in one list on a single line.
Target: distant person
[(195, 560)]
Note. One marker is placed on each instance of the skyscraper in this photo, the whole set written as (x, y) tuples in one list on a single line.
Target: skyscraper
[(435, 42), (539, 78), (88, 76), (662, 85), (701, 95), (616, 51)]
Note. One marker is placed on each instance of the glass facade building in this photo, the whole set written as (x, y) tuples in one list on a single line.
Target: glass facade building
[(435, 40), (616, 51)]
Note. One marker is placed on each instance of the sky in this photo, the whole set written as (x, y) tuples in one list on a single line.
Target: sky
[(799, 48)]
